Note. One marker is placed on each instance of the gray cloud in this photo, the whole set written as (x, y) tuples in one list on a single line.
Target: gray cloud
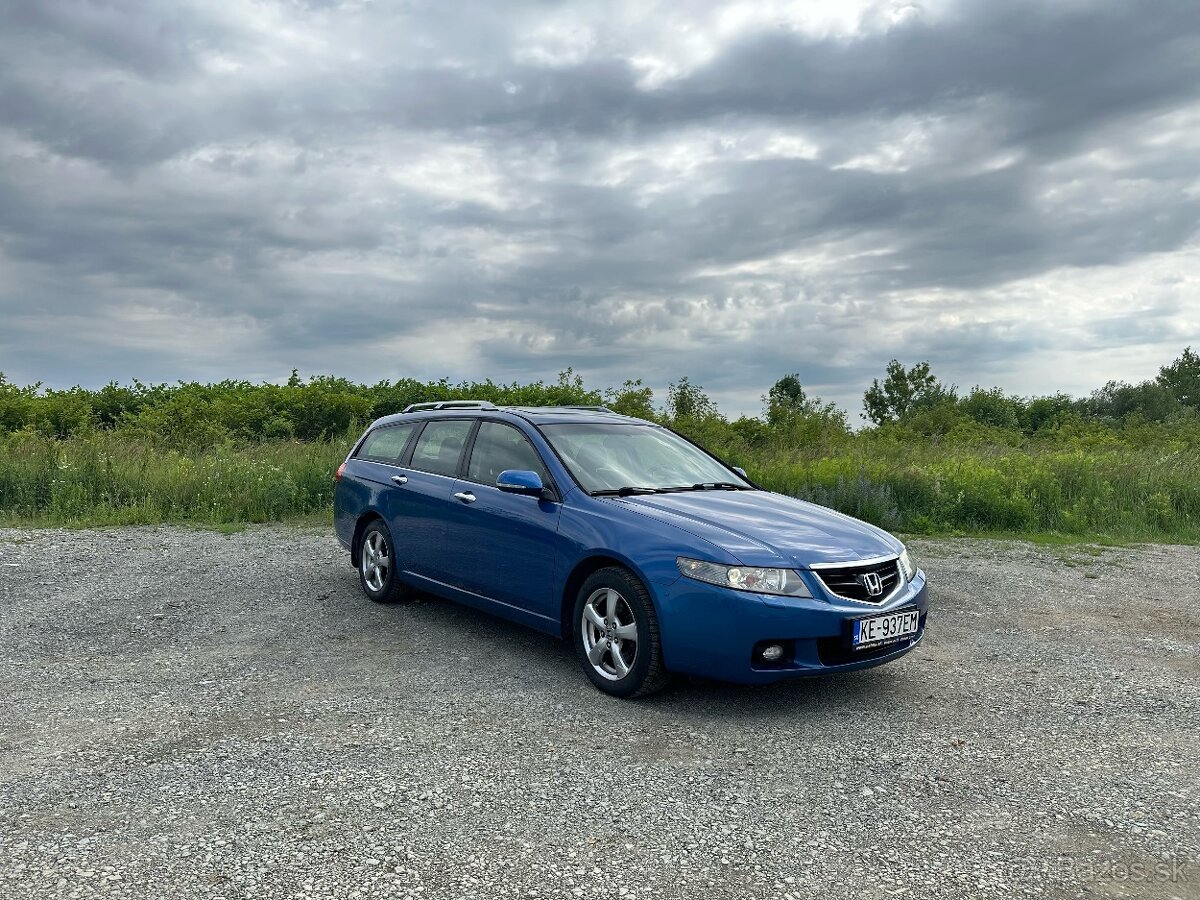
[(212, 190)]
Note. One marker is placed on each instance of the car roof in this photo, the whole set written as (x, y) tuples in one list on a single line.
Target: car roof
[(535, 415)]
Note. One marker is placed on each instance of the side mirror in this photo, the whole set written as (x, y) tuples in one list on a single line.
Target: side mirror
[(740, 471), (519, 481)]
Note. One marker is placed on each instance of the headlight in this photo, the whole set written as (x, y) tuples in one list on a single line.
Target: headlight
[(745, 578), (906, 566)]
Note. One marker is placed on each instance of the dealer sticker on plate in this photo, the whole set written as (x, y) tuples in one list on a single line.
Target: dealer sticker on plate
[(879, 630)]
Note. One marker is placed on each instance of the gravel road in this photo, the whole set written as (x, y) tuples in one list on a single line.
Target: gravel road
[(191, 714)]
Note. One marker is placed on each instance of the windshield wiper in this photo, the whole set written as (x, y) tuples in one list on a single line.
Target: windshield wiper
[(626, 491), (674, 489)]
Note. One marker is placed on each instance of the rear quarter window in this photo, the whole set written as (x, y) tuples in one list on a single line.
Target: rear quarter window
[(386, 444)]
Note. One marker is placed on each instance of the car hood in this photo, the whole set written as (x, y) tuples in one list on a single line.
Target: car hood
[(760, 528)]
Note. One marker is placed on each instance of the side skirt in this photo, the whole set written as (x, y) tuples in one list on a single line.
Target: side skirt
[(486, 604)]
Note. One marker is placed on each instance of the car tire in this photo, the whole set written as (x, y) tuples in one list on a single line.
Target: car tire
[(377, 565), (616, 634)]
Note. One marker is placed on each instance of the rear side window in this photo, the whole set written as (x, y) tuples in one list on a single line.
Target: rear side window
[(386, 445), (499, 447), (440, 446)]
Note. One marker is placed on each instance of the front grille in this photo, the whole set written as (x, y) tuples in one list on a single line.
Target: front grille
[(852, 581)]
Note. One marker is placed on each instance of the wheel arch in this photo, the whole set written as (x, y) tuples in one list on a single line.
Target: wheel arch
[(582, 570), (360, 526)]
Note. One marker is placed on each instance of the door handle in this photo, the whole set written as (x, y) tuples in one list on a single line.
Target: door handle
[(465, 496), (400, 479)]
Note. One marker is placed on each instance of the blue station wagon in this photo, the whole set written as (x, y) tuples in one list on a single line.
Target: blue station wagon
[(645, 551)]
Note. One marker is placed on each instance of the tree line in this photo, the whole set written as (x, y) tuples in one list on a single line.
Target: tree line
[(192, 415)]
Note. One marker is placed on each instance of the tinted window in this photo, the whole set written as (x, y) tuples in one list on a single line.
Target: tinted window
[(440, 445), (499, 447), (386, 444)]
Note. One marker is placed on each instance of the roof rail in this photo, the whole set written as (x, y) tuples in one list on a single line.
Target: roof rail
[(451, 404), (555, 406)]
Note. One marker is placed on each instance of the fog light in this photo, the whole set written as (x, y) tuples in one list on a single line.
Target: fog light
[(772, 653)]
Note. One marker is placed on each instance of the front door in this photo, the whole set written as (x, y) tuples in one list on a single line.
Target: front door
[(504, 543)]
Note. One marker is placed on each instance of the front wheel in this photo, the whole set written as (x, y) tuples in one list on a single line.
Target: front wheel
[(616, 635)]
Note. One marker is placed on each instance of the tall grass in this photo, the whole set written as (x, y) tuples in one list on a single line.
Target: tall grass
[(1122, 491), (105, 477), (236, 452)]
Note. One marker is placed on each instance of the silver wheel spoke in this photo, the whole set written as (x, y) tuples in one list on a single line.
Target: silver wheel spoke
[(610, 608), (596, 653), (619, 661), (627, 632), (593, 616)]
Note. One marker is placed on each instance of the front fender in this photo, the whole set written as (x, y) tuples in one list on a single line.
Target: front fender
[(589, 528)]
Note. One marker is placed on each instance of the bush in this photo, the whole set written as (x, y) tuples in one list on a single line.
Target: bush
[(988, 462)]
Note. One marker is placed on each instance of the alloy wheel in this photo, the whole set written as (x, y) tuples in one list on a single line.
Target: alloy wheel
[(376, 561), (609, 631)]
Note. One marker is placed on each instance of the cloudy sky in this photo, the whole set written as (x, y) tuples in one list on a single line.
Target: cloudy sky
[(730, 191)]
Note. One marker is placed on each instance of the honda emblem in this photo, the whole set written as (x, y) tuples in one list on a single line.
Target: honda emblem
[(872, 582)]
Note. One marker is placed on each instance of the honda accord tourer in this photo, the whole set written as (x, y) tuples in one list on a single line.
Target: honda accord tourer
[(648, 553)]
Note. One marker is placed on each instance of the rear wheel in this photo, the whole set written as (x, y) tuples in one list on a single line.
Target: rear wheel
[(616, 635), (377, 568)]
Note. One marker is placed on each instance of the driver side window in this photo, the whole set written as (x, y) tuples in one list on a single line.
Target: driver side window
[(499, 447)]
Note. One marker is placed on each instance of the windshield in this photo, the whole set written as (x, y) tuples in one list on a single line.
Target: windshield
[(609, 458)]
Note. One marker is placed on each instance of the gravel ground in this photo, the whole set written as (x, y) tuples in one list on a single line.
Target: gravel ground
[(191, 714)]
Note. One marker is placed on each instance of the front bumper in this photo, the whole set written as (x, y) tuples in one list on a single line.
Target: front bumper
[(712, 631)]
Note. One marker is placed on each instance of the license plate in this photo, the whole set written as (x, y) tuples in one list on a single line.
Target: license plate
[(887, 629)]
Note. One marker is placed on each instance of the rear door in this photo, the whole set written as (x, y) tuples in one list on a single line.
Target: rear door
[(504, 543), (418, 512), (369, 475)]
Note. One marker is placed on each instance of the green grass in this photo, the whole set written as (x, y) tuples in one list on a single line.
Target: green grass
[(1054, 495), (1121, 466), (105, 478), (1116, 494)]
